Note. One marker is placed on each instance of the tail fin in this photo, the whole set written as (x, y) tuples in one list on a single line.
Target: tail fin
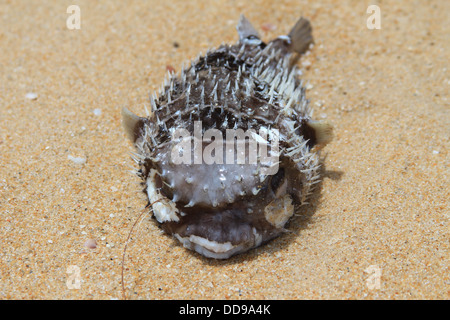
[(301, 36)]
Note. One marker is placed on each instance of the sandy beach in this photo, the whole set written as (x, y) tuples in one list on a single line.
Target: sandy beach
[(378, 227)]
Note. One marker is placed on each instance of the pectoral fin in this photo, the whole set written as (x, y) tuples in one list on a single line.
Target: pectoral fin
[(323, 133), (132, 124)]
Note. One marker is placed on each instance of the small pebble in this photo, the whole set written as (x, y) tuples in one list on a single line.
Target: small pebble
[(170, 68), (268, 26), (31, 96), (97, 111), (91, 244), (77, 160), (306, 63)]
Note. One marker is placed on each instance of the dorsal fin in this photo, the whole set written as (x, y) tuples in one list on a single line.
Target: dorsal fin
[(245, 28)]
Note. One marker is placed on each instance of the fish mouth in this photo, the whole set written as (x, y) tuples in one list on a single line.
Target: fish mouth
[(222, 232)]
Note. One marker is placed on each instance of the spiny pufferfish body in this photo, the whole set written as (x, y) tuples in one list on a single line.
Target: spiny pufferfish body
[(215, 198)]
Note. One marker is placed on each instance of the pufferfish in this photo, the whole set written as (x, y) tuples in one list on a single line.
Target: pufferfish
[(221, 208)]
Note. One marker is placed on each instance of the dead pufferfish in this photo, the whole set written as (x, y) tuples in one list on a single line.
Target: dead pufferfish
[(220, 209)]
